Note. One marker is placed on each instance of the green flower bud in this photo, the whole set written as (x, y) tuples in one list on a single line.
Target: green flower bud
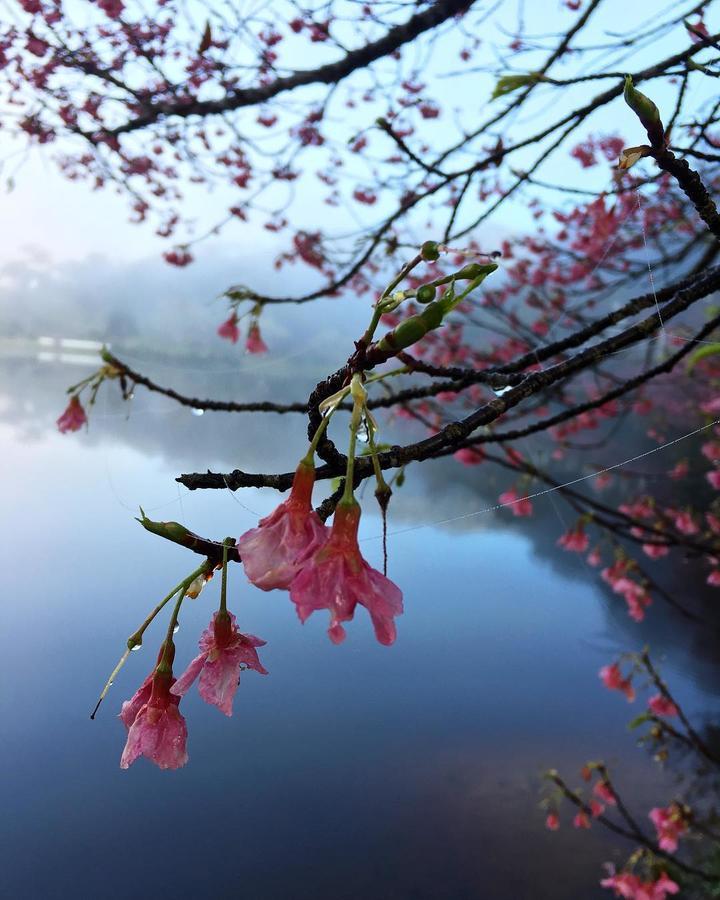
[(429, 251), (425, 294), (432, 315), (173, 531), (404, 335), (476, 270), (645, 110)]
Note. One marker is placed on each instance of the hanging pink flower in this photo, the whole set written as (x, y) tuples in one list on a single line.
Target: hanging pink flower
[(273, 552), (74, 416), (611, 677), (684, 522), (670, 826), (581, 820), (521, 506), (552, 822), (132, 707), (713, 578), (605, 793), (575, 540), (337, 578), (714, 478), (254, 342), (629, 886), (224, 651), (158, 730), (661, 706), (229, 329)]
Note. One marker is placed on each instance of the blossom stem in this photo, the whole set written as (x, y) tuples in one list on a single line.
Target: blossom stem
[(309, 457), (223, 583), (135, 639), (359, 397), (379, 308), (165, 664)]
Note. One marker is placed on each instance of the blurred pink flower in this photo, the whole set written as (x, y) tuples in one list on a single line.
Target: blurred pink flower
[(254, 342), (670, 826), (229, 329), (611, 677), (224, 651), (661, 706), (604, 792), (273, 553), (552, 822), (521, 506), (73, 418), (337, 578), (575, 540), (469, 456), (581, 820)]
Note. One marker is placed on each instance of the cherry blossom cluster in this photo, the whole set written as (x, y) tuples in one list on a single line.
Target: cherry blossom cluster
[(654, 871)]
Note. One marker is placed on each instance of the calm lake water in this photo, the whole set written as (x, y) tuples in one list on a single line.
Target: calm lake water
[(349, 772)]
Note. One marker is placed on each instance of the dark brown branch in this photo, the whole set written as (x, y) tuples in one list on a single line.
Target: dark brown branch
[(328, 74)]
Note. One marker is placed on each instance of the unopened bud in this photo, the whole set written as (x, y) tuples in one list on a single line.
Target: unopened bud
[(404, 335), (432, 315), (646, 111), (425, 294), (430, 251)]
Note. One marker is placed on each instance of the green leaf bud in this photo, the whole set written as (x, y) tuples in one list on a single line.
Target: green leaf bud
[(646, 111)]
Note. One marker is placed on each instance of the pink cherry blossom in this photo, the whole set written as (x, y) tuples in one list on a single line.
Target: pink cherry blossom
[(714, 478), (605, 793), (596, 809), (670, 826), (113, 9), (337, 578), (575, 540), (713, 578), (629, 886), (655, 551), (229, 329), (611, 677), (469, 456), (581, 820), (661, 706), (594, 558), (224, 652), (273, 553), (158, 730), (521, 506), (684, 522), (254, 342), (552, 822), (679, 470), (73, 418)]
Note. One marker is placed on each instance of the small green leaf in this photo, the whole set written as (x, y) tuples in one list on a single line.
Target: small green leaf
[(506, 84), (638, 721)]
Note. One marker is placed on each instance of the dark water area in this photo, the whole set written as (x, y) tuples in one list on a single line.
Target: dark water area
[(409, 772)]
